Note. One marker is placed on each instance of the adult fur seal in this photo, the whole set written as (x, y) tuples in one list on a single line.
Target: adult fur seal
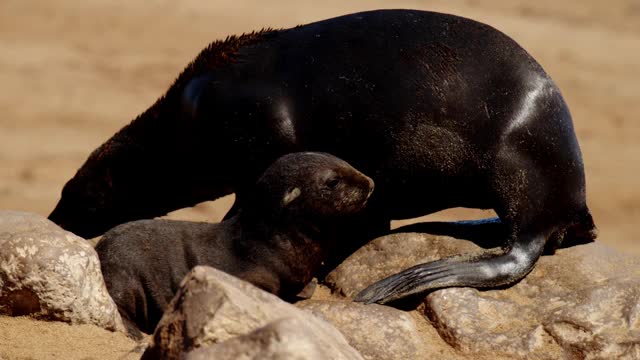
[(277, 240), (441, 111)]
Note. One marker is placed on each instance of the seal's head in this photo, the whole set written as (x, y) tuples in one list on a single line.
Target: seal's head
[(123, 181), (311, 185), (87, 206)]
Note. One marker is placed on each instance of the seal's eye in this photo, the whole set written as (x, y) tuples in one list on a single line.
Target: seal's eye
[(332, 182)]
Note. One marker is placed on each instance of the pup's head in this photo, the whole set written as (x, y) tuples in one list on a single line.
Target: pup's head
[(312, 186)]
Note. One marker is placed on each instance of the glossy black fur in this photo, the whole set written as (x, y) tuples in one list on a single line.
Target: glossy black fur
[(277, 241), (441, 111)]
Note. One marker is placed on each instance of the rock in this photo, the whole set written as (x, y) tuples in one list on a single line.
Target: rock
[(583, 302), (391, 254), (288, 338), (212, 306), (380, 332), (51, 274)]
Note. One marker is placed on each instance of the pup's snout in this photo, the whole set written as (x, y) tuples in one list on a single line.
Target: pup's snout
[(371, 184), (367, 185)]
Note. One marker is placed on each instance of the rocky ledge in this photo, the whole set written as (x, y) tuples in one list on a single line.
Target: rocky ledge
[(581, 303)]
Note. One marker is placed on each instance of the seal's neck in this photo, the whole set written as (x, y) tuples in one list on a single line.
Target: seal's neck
[(294, 250), (160, 167)]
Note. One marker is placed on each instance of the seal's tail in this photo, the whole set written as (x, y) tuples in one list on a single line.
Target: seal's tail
[(581, 231)]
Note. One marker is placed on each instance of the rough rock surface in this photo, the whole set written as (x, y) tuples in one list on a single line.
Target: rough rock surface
[(391, 254), (212, 306), (380, 332), (51, 274), (582, 302), (288, 338)]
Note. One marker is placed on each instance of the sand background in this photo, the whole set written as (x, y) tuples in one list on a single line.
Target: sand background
[(73, 72)]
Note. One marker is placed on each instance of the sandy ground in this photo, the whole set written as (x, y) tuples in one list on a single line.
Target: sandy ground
[(24, 338), (73, 72)]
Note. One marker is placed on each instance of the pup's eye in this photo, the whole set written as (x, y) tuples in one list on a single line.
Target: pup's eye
[(332, 183)]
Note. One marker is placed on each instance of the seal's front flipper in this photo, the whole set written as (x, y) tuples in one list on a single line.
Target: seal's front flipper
[(487, 270), (308, 291), (486, 233)]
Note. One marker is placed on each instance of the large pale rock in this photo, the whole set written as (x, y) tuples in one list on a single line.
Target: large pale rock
[(212, 306), (51, 274), (288, 338), (381, 332), (582, 302)]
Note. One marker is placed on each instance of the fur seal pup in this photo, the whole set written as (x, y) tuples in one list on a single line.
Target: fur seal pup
[(277, 240), (441, 111)]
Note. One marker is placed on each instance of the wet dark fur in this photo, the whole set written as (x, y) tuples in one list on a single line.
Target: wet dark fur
[(439, 110), (113, 184), (277, 241)]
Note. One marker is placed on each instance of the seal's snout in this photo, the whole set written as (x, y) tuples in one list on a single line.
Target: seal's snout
[(59, 217), (371, 184), (365, 186)]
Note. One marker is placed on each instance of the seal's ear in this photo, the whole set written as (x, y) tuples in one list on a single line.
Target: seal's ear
[(291, 195), (193, 93)]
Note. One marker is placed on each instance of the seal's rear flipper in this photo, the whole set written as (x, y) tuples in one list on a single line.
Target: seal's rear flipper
[(487, 270)]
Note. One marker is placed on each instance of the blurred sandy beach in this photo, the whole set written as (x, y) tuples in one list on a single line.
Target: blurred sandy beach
[(74, 72)]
